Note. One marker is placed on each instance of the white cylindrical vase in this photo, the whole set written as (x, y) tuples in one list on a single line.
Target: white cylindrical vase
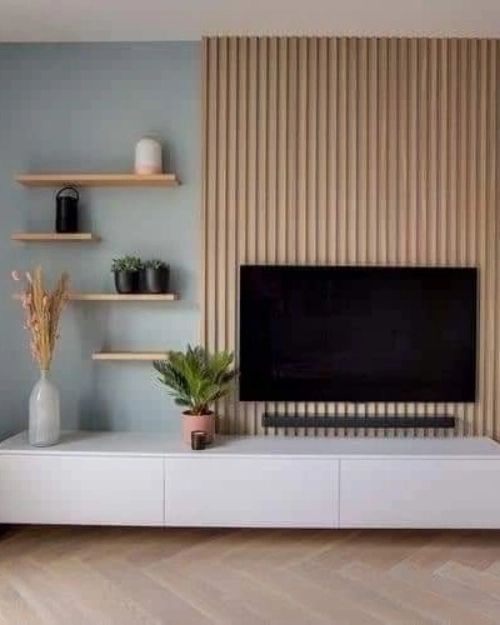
[(44, 420), (148, 157)]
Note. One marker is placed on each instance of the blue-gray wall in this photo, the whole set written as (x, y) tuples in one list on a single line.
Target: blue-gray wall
[(83, 107)]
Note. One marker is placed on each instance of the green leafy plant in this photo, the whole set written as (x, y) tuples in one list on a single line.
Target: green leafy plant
[(197, 379), (126, 263), (154, 263)]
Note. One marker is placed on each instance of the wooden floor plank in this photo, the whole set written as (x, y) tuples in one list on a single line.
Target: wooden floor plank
[(100, 599), (218, 604), (419, 597), (479, 580), (160, 602), (42, 591), (381, 606), (314, 597), (467, 596)]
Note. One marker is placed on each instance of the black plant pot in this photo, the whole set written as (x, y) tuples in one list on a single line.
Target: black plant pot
[(127, 282), (155, 280)]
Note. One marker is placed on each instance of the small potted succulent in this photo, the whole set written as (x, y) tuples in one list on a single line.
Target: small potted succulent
[(154, 276), (126, 270), (196, 380)]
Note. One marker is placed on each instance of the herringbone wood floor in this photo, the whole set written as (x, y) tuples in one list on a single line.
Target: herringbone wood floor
[(94, 576)]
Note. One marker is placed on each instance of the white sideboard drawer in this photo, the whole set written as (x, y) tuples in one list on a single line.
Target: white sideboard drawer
[(251, 492), (81, 490), (424, 493)]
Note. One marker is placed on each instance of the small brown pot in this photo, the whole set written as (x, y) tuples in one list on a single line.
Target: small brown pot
[(203, 423)]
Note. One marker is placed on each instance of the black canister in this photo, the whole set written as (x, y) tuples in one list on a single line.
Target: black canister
[(67, 209)]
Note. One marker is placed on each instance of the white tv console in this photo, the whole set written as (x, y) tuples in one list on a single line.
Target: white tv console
[(119, 478)]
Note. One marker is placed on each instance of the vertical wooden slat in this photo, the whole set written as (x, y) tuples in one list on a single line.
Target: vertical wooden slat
[(282, 169), (402, 165), (382, 249), (352, 122), (452, 148), (352, 172), (372, 167), (495, 193), (401, 216), (432, 180), (493, 332), (444, 113), (332, 158), (272, 156), (282, 113), (292, 163), (490, 333), (462, 189), (481, 229), (221, 177), (222, 216), (362, 151), (271, 184), (342, 116), (392, 152), (252, 182), (203, 286), (472, 148), (262, 149), (303, 181), (342, 170), (362, 146), (231, 290), (242, 190), (412, 73), (413, 145), (292, 151), (211, 209), (311, 152), (322, 170), (332, 152)]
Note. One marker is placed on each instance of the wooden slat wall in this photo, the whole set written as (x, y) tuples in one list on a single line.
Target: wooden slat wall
[(352, 151)]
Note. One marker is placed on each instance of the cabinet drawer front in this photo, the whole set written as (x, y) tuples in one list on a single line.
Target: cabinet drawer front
[(81, 490), (421, 493), (251, 492)]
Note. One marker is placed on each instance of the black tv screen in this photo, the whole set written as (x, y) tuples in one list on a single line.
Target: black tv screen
[(357, 334)]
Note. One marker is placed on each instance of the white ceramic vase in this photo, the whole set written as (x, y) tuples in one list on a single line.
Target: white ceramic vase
[(148, 157), (44, 422)]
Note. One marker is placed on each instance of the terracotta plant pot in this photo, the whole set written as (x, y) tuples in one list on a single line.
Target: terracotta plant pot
[(204, 423)]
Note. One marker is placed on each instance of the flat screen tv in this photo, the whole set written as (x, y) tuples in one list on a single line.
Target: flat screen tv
[(357, 334)]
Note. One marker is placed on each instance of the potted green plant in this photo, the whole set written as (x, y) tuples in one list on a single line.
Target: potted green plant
[(196, 380), (154, 276), (126, 271)]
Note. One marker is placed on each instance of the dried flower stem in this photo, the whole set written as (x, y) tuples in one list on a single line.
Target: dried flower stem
[(43, 309)]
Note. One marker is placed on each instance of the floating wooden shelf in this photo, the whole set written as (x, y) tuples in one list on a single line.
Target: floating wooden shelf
[(116, 297), (54, 237), (98, 180), (129, 356)]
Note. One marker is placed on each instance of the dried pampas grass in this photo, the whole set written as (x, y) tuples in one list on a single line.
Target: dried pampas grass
[(43, 309)]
